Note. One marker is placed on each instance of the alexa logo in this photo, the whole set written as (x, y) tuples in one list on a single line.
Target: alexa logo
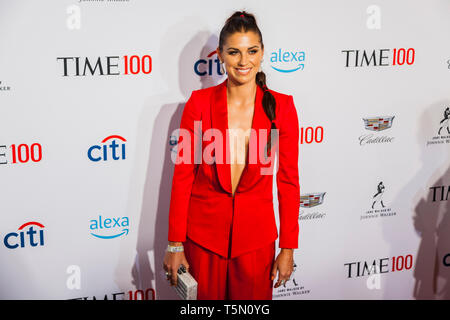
[(109, 228), (111, 148), (29, 234), (287, 61)]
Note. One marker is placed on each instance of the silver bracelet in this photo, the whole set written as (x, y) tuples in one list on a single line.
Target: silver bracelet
[(174, 248)]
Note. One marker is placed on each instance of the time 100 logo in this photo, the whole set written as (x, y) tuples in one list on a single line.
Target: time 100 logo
[(105, 65), (310, 135), (135, 64), (21, 153)]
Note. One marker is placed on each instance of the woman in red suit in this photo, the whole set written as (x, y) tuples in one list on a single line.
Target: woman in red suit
[(222, 225)]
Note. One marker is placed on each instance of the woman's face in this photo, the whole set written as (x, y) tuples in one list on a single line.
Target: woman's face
[(242, 55)]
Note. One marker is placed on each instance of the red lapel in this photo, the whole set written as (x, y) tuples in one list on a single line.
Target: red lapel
[(219, 120)]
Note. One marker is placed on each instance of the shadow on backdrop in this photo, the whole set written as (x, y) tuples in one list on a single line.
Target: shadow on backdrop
[(153, 226), (427, 215), (421, 216), (432, 216)]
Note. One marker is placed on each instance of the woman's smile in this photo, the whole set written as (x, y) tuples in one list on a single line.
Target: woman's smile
[(243, 71)]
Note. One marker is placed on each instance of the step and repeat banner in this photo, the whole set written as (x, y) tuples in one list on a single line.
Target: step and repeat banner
[(91, 93)]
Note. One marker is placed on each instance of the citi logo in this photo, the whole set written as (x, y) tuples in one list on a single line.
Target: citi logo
[(209, 66), (106, 151), (287, 61), (30, 234), (109, 228)]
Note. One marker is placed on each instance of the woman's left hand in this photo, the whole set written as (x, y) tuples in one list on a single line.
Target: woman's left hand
[(284, 263)]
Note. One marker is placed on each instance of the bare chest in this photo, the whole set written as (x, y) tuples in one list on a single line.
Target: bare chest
[(239, 126)]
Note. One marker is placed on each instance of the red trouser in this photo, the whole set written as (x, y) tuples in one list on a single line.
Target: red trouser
[(246, 277)]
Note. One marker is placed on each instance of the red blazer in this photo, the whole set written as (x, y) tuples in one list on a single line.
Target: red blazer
[(202, 205)]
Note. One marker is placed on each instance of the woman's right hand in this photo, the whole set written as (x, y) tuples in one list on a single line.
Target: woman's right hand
[(172, 262)]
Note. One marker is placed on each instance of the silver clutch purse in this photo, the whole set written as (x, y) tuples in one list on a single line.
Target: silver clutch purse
[(186, 287)]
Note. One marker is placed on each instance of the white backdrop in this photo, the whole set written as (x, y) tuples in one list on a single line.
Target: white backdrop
[(85, 153)]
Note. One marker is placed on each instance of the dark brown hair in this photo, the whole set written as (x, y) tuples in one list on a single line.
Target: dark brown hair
[(242, 21)]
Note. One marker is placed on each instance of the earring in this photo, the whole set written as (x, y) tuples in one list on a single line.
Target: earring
[(222, 68)]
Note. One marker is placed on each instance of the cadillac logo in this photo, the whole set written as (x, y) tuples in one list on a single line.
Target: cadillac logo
[(378, 123), (310, 200)]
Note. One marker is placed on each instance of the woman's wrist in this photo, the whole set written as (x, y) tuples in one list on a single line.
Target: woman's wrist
[(175, 246)]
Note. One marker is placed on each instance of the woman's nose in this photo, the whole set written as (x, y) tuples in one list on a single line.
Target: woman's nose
[(243, 60)]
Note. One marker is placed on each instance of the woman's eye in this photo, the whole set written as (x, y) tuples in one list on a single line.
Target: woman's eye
[(254, 51), (232, 53)]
